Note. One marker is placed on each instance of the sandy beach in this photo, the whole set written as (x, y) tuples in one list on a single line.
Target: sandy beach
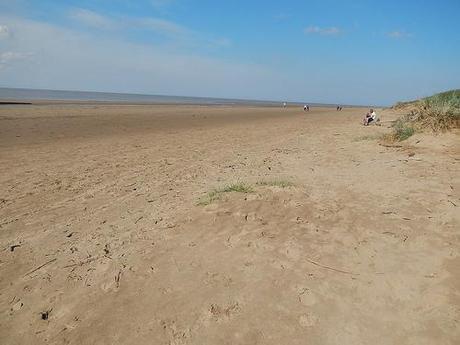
[(105, 238)]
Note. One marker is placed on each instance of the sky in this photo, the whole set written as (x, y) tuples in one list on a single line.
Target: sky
[(324, 51)]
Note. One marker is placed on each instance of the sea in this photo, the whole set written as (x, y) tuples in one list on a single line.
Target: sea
[(29, 96)]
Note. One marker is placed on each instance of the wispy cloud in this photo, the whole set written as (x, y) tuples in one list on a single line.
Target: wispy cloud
[(399, 34), (7, 58), (108, 23), (90, 63), (161, 3), (158, 25), (166, 28), (281, 17), (322, 31), (4, 31), (92, 19), (221, 42)]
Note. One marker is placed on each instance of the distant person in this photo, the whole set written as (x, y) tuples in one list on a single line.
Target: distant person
[(370, 117), (338, 108), (308, 107), (304, 108)]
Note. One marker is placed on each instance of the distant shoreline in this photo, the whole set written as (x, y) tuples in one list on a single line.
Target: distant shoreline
[(19, 96)]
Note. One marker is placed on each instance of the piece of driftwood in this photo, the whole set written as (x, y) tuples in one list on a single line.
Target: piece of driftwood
[(330, 268), (117, 279), (396, 146), (81, 263), (41, 266)]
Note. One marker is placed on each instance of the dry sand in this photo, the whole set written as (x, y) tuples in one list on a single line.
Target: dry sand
[(102, 240)]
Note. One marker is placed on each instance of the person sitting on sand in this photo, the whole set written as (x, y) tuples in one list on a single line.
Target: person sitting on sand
[(370, 116)]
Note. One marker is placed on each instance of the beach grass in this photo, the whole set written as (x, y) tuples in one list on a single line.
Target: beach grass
[(217, 193), (437, 113), (402, 130), (276, 183)]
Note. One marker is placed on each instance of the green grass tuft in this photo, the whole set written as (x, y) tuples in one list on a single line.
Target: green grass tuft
[(402, 130), (237, 187), (276, 183), (216, 194)]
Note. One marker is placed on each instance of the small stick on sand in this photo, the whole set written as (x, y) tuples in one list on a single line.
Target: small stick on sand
[(385, 145), (43, 265), (117, 279), (330, 268), (81, 263)]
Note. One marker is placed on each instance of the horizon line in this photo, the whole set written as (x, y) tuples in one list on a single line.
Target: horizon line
[(241, 100)]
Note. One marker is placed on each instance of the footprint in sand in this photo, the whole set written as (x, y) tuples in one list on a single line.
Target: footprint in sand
[(307, 297), (308, 320), (219, 313)]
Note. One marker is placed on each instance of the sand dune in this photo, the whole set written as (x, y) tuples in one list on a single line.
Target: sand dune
[(104, 241)]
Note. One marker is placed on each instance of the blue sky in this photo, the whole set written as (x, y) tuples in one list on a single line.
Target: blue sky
[(349, 52)]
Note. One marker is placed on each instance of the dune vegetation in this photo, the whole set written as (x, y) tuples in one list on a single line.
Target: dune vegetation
[(216, 194), (437, 113)]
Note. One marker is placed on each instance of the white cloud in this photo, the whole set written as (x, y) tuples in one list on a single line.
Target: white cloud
[(399, 34), (4, 32), (322, 31)]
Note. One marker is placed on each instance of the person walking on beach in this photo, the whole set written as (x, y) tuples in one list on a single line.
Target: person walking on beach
[(304, 108)]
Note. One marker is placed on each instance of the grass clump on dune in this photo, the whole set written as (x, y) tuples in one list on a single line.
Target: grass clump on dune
[(402, 129), (276, 183), (237, 187), (216, 194), (438, 113)]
